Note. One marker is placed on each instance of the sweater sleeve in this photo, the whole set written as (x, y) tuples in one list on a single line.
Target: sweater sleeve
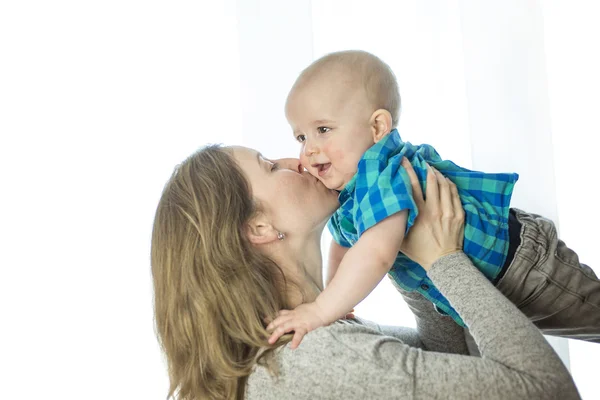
[(437, 332), (357, 362)]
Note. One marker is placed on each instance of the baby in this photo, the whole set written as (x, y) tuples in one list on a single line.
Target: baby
[(343, 110)]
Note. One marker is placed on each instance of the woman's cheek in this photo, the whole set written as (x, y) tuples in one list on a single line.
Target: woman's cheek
[(292, 186)]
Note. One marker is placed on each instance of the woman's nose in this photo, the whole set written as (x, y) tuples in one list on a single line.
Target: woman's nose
[(291, 163)]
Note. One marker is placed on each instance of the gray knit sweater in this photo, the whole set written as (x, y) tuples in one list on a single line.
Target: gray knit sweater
[(359, 360)]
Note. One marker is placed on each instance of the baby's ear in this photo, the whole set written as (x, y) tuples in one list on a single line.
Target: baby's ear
[(381, 124), (260, 231)]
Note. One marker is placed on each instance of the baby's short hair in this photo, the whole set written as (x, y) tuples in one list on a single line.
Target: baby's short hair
[(377, 78)]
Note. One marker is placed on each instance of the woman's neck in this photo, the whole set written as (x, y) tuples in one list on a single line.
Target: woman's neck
[(302, 263)]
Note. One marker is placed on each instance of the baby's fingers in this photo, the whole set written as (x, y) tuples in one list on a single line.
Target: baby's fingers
[(298, 336), (282, 316), (280, 330)]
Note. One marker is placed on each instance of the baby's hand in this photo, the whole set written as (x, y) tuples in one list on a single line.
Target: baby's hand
[(303, 319)]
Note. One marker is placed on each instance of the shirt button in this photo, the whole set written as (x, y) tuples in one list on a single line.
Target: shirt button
[(425, 286)]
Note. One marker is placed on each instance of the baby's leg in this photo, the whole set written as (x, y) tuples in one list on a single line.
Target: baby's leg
[(547, 282)]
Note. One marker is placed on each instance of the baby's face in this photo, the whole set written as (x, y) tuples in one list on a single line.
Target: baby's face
[(331, 123)]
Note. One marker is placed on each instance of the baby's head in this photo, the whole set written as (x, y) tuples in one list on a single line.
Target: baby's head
[(340, 106)]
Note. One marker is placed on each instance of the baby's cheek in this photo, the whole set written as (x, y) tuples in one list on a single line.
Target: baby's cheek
[(337, 155), (306, 164), (304, 159)]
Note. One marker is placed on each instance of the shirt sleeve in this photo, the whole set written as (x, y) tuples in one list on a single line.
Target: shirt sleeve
[(382, 190), (334, 228)]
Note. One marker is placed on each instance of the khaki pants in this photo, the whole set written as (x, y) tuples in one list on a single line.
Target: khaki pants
[(546, 281)]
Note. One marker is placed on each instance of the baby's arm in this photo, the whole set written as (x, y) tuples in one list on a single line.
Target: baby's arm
[(362, 268), (336, 254)]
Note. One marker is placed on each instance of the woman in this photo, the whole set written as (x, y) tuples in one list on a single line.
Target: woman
[(237, 237)]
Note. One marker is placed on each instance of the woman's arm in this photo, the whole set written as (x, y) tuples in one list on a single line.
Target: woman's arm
[(437, 332), (354, 362), (516, 361)]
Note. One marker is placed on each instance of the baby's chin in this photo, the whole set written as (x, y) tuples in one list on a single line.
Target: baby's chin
[(339, 186)]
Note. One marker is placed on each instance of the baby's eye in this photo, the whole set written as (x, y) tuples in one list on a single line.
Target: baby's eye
[(323, 129), (301, 138)]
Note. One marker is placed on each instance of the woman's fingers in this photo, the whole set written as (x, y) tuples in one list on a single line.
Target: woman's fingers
[(446, 199), (432, 192), (445, 196), (414, 182), (459, 212)]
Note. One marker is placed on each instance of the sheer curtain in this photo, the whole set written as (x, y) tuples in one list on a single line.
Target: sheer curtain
[(571, 35)]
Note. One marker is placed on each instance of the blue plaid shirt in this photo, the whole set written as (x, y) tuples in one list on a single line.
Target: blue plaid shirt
[(381, 188)]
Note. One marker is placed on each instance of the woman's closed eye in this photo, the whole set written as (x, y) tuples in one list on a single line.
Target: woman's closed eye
[(274, 166)]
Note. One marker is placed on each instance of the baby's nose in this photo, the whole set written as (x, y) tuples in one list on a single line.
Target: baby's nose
[(310, 149)]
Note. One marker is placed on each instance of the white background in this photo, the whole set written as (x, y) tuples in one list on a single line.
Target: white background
[(99, 101)]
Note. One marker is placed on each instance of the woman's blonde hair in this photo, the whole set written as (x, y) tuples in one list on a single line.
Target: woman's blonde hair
[(212, 288)]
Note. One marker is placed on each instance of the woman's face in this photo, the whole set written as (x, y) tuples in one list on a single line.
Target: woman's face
[(296, 202)]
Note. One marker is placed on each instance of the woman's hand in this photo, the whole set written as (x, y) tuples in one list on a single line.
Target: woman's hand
[(439, 227)]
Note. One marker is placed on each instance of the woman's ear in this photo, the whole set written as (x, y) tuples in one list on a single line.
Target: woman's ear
[(381, 124), (260, 231)]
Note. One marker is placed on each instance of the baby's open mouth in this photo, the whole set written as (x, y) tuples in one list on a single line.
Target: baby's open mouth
[(322, 168)]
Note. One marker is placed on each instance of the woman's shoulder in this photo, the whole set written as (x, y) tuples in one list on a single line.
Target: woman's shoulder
[(328, 356), (344, 341), (341, 333), (359, 329)]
